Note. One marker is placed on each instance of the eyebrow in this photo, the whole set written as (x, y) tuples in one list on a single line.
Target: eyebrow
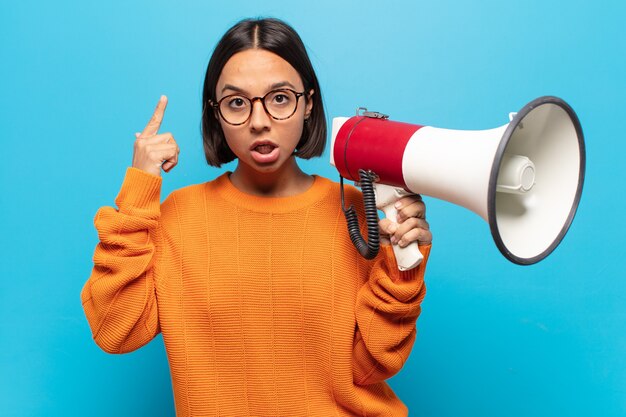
[(272, 87)]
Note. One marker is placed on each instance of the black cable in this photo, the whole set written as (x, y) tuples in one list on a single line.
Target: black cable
[(369, 249)]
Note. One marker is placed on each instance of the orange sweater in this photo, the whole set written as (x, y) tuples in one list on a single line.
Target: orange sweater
[(265, 306)]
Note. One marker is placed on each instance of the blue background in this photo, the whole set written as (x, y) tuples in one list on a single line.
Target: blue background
[(78, 78)]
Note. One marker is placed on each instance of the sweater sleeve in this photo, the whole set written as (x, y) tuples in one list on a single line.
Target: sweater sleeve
[(119, 297), (387, 307)]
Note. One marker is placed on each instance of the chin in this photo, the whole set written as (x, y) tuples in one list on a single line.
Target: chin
[(262, 168)]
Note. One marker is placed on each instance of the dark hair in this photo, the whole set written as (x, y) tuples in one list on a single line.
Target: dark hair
[(278, 37)]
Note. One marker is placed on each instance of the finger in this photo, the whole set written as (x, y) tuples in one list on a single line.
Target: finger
[(171, 162), (386, 226), (415, 208), (407, 200), (421, 236), (162, 151), (160, 138), (163, 138), (159, 152), (168, 165), (406, 226), (153, 126), (409, 224)]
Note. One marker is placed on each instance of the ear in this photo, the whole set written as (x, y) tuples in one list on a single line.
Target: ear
[(215, 110), (309, 104)]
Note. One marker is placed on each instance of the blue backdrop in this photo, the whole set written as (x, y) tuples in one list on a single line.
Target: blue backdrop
[(78, 78)]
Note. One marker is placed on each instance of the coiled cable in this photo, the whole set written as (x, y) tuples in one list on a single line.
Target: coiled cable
[(368, 249)]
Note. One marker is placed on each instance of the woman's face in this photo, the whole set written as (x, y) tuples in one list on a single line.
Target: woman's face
[(262, 143)]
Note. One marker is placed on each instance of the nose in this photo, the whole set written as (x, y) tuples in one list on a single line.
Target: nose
[(259, 119)]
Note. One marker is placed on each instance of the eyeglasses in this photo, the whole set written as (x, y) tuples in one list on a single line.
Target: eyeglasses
[(236, 109)]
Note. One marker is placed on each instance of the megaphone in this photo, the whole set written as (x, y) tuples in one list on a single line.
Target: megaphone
[(524, 178)]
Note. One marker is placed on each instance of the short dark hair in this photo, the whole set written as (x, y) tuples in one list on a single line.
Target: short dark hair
[(278, 37)]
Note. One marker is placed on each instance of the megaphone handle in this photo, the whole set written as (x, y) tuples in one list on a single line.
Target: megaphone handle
[(408, 257), (386, 196)]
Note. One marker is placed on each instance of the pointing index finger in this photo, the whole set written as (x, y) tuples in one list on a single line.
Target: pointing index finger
[(153, 126)]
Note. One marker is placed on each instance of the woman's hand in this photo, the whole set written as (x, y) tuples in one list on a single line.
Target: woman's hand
[(154, 151), (411, 225)]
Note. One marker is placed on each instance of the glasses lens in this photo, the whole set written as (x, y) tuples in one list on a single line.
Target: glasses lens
[(281, 104), (235, 109)]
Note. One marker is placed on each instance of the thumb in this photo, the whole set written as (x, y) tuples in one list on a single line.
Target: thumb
[(387, 226), (137, 135)]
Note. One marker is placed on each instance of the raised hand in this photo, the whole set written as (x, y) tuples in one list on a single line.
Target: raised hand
[(152, 150)]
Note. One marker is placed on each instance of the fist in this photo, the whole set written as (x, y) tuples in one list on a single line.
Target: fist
[(410, 225), (154, 151)]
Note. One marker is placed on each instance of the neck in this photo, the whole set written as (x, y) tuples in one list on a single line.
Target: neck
[(289, 180)]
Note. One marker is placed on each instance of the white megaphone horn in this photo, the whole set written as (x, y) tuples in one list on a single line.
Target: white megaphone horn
[(524, 178)]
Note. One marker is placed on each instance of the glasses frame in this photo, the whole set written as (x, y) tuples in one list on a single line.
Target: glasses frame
[(217, 105)]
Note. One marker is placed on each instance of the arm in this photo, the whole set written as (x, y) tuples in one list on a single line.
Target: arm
[(119, 298), (387, 308)]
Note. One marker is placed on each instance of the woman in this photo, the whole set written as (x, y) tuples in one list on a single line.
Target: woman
[(265, 306)]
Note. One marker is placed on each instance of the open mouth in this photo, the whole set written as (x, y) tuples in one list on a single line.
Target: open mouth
[(264, 148), (265, 152)]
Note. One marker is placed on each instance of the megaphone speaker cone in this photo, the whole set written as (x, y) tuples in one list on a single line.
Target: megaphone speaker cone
[(527, 226)]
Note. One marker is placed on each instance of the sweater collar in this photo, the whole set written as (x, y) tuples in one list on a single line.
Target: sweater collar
[(225, 188)]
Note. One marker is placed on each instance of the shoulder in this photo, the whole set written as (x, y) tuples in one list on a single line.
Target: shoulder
[(352, 195), (187, 199), (189, 192)]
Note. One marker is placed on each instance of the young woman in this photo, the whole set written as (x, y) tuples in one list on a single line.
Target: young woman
[(265, 306)]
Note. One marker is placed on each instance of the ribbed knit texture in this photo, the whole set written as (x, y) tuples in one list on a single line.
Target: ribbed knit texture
[(265, 306)]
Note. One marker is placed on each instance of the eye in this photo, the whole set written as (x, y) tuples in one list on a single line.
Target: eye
[(236, 103), (280, 98)]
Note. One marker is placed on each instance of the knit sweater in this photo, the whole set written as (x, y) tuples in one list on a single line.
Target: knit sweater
[(265, 306)]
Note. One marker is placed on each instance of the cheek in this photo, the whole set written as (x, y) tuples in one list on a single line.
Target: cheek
[(296, 126), (293, 133), (232, 136)]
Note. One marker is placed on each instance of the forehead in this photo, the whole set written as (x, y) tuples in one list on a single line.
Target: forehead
[(255, 70)]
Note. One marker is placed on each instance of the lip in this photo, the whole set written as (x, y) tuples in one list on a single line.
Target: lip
[(262, 142), (268, 158)]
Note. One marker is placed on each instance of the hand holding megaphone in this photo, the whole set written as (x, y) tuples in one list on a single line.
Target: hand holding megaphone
[(404, 222)]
